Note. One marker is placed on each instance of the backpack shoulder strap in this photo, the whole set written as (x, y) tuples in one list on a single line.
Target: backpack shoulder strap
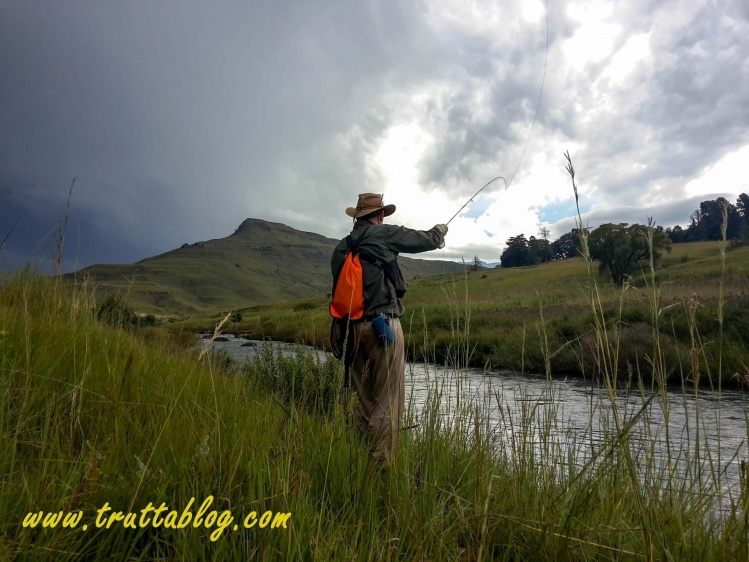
[(353, 246), (373, 260)]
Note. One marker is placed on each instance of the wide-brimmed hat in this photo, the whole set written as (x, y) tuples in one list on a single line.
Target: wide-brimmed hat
[(369, 203)]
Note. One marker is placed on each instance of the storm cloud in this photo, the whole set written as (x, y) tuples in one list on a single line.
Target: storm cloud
[(181, 119)]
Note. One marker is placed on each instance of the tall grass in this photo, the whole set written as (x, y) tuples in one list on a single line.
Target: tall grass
[(94, 413)]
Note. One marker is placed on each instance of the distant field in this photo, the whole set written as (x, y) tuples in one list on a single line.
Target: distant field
[(518, 318)]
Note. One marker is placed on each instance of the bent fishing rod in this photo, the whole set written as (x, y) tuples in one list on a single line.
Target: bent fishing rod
[(475, 194)]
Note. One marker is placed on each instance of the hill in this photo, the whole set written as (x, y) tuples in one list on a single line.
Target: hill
[(538, 317), (262, 262)]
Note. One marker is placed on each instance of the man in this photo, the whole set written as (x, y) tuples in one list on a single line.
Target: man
[(378, 369)]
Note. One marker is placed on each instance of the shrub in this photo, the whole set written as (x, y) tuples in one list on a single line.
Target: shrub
[(147, 320), (301, 380), (114, 311)]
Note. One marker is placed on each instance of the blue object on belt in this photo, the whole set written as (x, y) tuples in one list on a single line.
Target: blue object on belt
[(382, 329)]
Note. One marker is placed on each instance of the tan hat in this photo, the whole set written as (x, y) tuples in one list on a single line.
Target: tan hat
[(369, 203)]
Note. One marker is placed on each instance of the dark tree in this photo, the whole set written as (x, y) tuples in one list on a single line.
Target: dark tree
[(711, 216), (517, 252), (476, 263), (566, 246), (677, 234), (742, 206), (620, 248), (706, 222), (536, 247)]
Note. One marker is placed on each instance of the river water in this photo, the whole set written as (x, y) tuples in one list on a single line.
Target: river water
[(700, 437)]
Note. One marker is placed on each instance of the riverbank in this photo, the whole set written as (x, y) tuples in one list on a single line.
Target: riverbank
[(543, 319), (573, 411), (93, 416)]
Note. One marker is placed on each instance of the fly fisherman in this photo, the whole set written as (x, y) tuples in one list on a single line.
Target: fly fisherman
[(378, 367)]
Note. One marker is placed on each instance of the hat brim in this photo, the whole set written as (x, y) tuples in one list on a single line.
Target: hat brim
[(353, 213)]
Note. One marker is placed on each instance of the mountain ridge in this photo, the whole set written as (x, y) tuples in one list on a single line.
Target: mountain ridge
[(262, 262)]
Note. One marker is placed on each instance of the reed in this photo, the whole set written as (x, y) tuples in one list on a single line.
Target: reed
[(94, 413)]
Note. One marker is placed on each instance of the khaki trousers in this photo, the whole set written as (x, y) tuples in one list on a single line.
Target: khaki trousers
[(378, 378)]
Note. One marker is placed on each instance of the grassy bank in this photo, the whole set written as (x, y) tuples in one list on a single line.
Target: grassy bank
[(534, 318), (92, 414)]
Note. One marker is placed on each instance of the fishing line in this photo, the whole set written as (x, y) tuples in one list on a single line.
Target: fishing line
[(475, 194), (533, 123), (540, 93)]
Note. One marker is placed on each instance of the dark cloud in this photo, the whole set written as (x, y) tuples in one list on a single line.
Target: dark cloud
[(177, 122), (180, 123), (89, 237)]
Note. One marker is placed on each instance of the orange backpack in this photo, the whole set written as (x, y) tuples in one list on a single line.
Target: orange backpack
[(348, 287), (348, 301), (347, 305)]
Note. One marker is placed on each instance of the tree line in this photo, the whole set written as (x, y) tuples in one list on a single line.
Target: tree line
[(621, 248), (705, 223)]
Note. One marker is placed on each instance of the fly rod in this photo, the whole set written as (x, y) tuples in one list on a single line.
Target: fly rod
[(475, 194)]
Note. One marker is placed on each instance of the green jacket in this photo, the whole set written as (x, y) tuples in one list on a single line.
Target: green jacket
[(384, 242)]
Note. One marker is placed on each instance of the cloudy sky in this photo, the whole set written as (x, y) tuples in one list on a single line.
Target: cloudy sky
[(180, 119)]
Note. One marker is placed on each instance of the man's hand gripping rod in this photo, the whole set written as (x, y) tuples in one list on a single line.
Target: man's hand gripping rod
[(475, 194)]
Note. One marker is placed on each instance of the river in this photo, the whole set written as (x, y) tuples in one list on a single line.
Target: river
[(702, 437)]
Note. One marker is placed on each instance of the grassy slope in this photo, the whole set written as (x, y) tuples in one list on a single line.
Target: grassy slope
[(261, 262), (515, 318), (92, 414)]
